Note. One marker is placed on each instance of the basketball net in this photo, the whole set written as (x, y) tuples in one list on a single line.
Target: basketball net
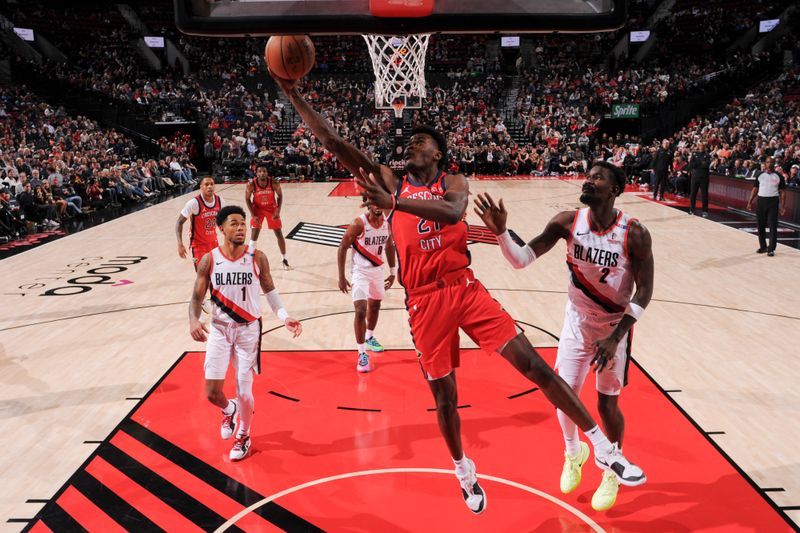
[(398, 62)]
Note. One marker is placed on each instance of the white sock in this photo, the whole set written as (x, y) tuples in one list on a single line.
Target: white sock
[(462, 465), (361, 347), (600, 443), (244, 393), (369, 334), (572, 440), (229, 409)]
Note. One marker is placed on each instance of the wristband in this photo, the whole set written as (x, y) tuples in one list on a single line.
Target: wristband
[(283, 314), (393, 271), (394, 203), (634, 310)]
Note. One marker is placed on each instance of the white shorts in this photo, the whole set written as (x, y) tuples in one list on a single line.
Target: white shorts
[(239, 343), (368, 284), (576, 351)]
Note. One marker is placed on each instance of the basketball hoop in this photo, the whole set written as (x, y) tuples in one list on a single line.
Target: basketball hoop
[(398, 62)]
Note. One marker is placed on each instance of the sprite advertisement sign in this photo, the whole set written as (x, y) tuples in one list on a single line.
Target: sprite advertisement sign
[(625, 111)]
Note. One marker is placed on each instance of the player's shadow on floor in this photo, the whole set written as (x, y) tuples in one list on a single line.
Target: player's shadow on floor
[(402, 437), (702, 506)]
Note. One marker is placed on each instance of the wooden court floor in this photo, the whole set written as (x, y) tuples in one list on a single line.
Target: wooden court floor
[(92, 321)]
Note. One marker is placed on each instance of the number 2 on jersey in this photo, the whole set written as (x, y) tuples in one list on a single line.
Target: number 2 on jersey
[(606, 272)]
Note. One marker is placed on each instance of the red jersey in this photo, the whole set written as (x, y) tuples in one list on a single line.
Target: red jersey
[(204, 224), (264, 197), (426, 251)]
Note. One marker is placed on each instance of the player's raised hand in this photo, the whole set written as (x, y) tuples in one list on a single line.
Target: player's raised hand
[(494, 216), (373, 189), (198, 330), (294, 326), (286, 85), (344, 285)]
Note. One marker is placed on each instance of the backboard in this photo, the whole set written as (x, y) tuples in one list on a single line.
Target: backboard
[(396, 17)]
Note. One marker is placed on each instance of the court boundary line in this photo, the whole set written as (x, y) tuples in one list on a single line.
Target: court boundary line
[(362, 473)]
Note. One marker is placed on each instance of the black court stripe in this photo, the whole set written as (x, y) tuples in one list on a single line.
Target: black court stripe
[(57, 519), (279, 395), (523, 393), (110, 503), (190, 508), (235, 490)]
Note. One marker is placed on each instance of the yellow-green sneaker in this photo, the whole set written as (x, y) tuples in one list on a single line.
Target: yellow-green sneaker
[(571, 475), (606, 494)]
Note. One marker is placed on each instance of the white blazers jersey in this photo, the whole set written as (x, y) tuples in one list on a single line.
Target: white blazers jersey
[(368, 247), (601, 280), (235, 287)]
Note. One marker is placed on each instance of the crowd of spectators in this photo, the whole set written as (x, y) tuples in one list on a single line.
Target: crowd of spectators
[(54, 166)]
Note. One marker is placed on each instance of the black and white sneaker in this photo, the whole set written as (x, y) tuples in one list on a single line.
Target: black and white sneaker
[(628, 473), (472, 492), (228, 425)]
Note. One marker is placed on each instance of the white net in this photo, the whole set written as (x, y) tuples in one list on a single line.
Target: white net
[(399, 65)]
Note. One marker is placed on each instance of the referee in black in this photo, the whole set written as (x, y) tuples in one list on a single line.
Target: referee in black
[(770, 188)]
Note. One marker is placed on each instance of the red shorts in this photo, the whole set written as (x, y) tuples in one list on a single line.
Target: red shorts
[(199, 251), (436, 311), (261, 215)]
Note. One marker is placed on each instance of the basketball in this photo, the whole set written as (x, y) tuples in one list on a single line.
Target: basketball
[(289, 56)]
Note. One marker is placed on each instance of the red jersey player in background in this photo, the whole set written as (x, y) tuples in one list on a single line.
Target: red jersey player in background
[(264, 199), (201, 211), (426, 208)]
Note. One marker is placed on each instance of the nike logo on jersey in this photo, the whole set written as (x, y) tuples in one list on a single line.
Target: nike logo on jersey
[(219, 263), (584, 233)]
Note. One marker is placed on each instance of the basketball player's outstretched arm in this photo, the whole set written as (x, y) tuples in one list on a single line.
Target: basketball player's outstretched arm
[(352, 158), (349, 237), (495, 216), (273, 298), (643, 270), (449, 210), (197, 329)]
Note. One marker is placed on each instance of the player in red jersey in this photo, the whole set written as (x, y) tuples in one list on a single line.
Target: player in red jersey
[(264, 199), (426, 208), (201, 211)]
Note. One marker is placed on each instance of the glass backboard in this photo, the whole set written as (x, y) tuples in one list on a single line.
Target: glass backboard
[(396, 17)]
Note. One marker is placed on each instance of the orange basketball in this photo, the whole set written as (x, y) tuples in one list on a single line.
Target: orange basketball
[(289, 56)]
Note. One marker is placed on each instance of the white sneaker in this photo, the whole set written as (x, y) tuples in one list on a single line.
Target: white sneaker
[(472, 492), (241, 447), (229, 421), (628, 473)]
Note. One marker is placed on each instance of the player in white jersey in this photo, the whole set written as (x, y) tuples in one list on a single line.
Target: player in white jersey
[(370, 239), (234, 272), (608, 252)]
